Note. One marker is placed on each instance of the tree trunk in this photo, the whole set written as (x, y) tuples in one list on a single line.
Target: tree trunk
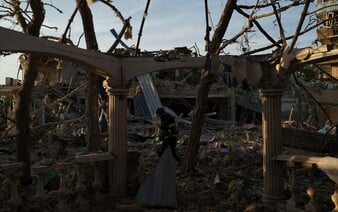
[(23, 138), (207, 78), (197, 124), (22, 117), (92, 135)]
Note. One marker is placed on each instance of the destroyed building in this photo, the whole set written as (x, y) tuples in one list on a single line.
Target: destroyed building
[(243, 167), (327, 34), (228, 150)]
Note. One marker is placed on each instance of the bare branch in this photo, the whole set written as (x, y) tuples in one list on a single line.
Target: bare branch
[(281, 30), (78, 41), (5, 8), (251, 20), (233, 39), (18, 13), (300, 24), (117, 12), (280, 10), (249, 7), (63, 37), (126, 30), (145, 14), (287, 38), (222, 26), (260, 28), (49, 27), (52, 6), (125, 26), (6, 15)]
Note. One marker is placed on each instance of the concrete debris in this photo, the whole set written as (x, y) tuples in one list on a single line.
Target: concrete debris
[(229, 174)]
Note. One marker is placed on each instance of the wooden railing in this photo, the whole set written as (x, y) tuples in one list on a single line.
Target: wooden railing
[(301, 166), (56, 200)]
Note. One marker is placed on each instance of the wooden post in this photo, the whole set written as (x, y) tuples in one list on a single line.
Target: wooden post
[(117, 122), (272, 145)]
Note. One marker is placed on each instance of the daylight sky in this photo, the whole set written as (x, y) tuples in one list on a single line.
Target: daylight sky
[(169, 24)]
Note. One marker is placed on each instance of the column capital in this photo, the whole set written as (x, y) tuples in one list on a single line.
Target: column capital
[(117, 91), (272, 91), (113, 89)]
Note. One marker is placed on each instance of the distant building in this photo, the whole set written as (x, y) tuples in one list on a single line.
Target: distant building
[(327, 33)]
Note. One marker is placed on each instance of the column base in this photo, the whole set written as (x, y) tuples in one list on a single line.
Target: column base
[(273, 201), (117, 197)]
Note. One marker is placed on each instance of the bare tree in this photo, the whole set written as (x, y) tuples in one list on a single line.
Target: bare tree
[(92, 94), (206, 79), (281, 60), (30, 26)]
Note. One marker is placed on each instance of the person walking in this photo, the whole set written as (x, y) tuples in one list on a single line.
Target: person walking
[(167, 133)]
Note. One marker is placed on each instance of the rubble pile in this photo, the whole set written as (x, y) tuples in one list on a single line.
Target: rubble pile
[(229, 171), (228, 177)]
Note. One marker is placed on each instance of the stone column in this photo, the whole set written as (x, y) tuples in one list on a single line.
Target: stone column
[(232, 104), (272, 145), (117, 144)]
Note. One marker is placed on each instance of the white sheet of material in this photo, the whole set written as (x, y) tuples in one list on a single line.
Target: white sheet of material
[(159, 189), (329, 165)]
